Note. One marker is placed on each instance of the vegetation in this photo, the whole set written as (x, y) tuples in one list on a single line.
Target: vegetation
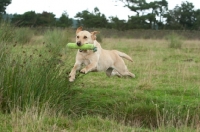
[(64, 21), (31, 19), (142, 20), (3, 5), (153, 15), (183, 17), (95, 19), (175, 41), (35, 94)]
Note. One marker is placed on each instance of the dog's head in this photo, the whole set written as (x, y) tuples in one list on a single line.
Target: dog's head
[(85, 37)]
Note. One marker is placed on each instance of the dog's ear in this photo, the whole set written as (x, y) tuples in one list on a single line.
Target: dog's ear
[(94, 34), (79, 29)]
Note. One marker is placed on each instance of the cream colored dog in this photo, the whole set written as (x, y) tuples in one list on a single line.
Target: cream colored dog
[(101, 60)]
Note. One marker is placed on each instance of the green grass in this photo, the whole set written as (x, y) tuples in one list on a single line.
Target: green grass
[(33, 120), (23, 35), (175, 41), (35, 94), (6, 32)]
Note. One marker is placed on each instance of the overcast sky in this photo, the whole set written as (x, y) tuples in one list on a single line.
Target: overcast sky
[(57, 7)]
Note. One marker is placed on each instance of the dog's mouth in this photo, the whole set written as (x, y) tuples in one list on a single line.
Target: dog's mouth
[(80, 44), (81, 50)]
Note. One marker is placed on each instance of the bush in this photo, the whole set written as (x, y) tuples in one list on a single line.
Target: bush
[(175, 41)]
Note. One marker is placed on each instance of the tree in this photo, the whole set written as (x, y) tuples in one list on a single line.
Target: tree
[(173, 18), (31, 19), (3, 4), (197, 20), (118, 24), (64, 21), (94, 19), (137, 22), (181, 17), (187, 18), (141, 7), (27, 19), (46, 19), (17, 19)]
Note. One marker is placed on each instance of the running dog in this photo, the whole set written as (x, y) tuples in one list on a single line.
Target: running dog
[(102, 60)]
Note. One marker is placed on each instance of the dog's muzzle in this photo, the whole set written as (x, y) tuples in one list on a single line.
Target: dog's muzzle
[(78, 43)]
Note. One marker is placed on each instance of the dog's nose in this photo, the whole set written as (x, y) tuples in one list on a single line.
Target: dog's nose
[(78, 43)]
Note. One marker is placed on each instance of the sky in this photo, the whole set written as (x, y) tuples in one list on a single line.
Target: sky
[(72, 7)]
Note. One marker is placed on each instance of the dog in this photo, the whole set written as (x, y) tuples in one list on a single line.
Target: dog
[(102, 60)]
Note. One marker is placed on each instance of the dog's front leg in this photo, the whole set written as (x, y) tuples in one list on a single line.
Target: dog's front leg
[(90, 67), (72, 74)]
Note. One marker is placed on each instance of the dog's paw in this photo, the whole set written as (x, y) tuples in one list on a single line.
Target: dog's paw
[(83, 71), (71, 79), (71, 75)]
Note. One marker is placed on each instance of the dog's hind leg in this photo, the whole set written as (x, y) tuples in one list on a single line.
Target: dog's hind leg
[(109, 71), (127, 73), (112, 72), (115, 73), (121, 68)]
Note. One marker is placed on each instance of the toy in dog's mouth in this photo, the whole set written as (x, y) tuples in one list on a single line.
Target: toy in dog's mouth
[(82, 47), (79, 44)]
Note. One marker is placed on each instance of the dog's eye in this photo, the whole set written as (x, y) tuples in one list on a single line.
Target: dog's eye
[(85, 37), (77, 36)]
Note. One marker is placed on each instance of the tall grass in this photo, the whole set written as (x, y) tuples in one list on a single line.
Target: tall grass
[(175, 41), (46, 120), (32, 76), (23, 35), (56, 40), (25, 81), (7, 32)]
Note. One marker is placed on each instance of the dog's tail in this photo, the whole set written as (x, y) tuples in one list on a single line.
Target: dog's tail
[(123, 55)]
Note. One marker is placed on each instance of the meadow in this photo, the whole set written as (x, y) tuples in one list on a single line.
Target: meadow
[(35, 95)]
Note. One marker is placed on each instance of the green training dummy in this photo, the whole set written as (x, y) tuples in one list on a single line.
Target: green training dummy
[(82, 47)]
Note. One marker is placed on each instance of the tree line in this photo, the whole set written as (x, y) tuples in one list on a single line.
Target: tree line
[(152, 15), (44, 19)]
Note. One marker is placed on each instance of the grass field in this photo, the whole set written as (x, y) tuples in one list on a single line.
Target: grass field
[(35, 94)]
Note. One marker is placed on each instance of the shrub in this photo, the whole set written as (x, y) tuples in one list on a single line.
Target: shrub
[(175, 41)]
